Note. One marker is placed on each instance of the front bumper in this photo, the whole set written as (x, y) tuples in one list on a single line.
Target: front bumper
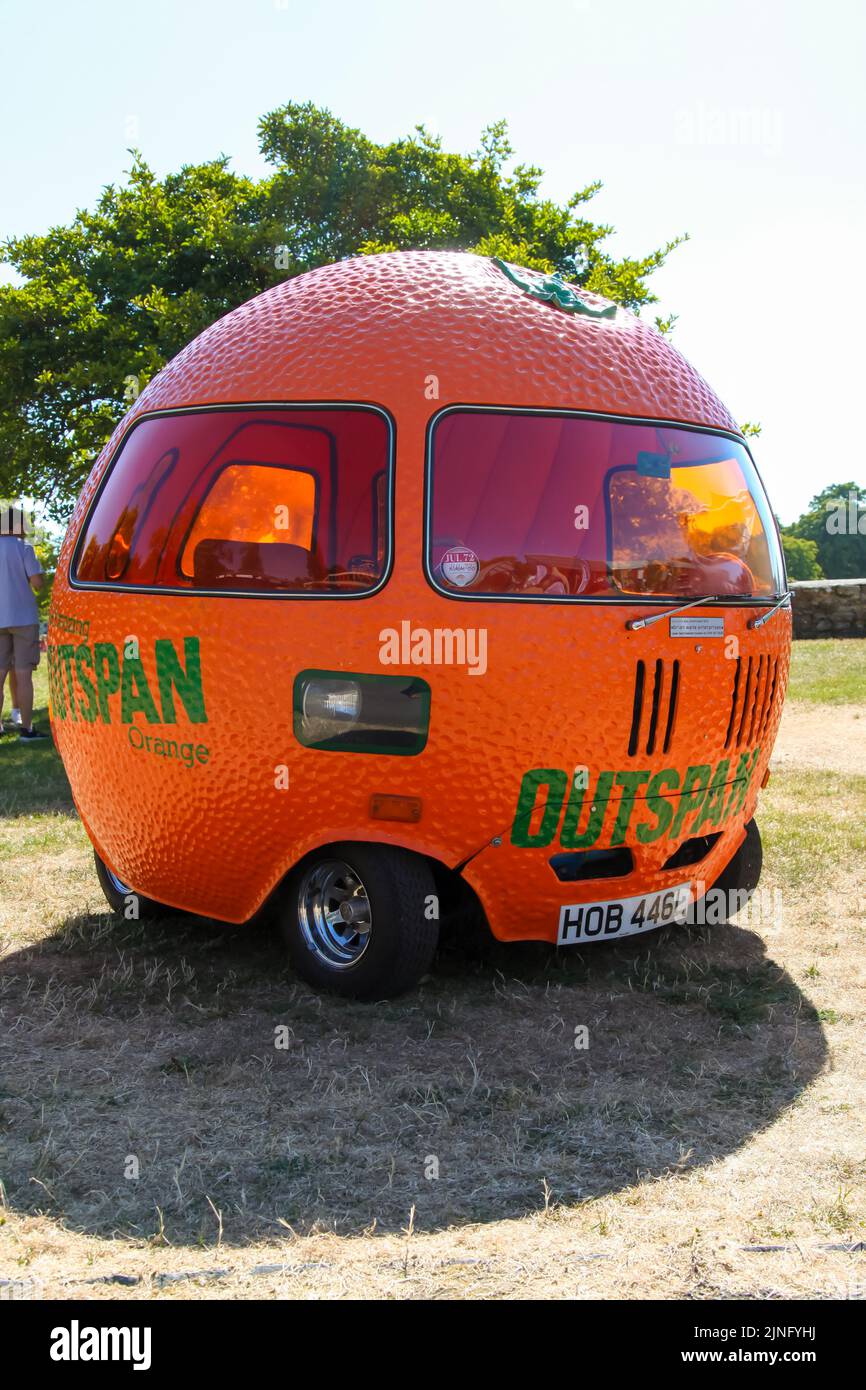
[(523, 897)]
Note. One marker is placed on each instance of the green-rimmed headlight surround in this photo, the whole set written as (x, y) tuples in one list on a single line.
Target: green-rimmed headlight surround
[(351, 712)]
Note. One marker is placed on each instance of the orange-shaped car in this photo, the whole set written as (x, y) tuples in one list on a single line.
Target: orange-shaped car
[(422, 580)]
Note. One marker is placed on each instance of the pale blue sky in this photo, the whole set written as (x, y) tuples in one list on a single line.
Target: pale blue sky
[(740, 121)]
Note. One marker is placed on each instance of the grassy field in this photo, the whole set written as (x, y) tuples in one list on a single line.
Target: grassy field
[(707, 1144), (829, 672)]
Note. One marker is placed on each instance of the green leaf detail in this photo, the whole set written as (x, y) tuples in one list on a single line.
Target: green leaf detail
[(552, 289)]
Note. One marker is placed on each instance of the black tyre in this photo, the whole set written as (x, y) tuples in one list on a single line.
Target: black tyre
[(741, 876), (119, 896), (361, 920)]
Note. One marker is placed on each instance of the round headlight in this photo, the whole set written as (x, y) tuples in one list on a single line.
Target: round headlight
[(335, 702)]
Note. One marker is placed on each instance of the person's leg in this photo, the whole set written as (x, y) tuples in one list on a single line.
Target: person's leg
[(24, 681), (6, 655), (13, 693), (26, 648)]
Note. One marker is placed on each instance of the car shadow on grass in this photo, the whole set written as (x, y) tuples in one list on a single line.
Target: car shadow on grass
[(164, 1078)]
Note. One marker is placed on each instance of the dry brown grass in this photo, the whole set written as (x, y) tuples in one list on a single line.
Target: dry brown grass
[(717, 1109)]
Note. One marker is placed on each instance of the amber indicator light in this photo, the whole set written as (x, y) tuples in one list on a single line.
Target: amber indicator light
[(384, 807)]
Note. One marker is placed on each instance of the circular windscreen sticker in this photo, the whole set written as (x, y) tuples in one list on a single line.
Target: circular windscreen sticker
[(459, 566)]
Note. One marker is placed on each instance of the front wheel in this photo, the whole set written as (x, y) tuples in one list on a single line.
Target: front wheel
[(737, 881), (361, 920), (743, 873)]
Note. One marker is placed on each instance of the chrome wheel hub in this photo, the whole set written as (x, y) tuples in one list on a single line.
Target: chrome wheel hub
[(334, 914), (117, 883)]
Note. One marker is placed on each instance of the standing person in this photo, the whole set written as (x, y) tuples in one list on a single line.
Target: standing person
[(21, 577)]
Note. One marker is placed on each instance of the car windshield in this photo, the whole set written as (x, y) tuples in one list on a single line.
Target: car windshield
[(529, 504)]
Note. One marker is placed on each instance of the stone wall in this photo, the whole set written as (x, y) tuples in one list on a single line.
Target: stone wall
[(829, 607)]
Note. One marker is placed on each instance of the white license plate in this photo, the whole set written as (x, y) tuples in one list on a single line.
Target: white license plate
[(609, 921)]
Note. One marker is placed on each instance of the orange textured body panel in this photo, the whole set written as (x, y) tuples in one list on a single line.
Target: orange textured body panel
[(559, 688)]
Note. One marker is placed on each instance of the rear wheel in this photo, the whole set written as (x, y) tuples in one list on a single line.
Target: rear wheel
[(361, 920), (121, 898)]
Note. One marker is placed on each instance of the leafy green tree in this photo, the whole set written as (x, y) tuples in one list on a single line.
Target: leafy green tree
[(341, 195), (801, 558), (835, 521), (105, 303), (47, 550), (107, 300)]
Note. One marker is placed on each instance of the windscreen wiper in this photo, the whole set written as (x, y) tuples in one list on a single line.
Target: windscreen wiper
[(634, 623), (765, 618)]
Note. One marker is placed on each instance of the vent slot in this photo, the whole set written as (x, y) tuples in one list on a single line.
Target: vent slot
[(760, 694), (692, 851), (752, 698), (662, 707), (772, 683), (637, 710), (733, 717), (672, 706), (654, 716), (592, 863), (747, 695)]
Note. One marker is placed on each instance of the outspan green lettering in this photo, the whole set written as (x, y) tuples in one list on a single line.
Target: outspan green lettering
[(135, 696), (745, 769), (172, 676), (693, 793), (82, 658), (670, 803), (67, 653), (713, 807), (665, 781), (570, 838), (629, 781), (82, 680), (556, 781), (107, 667)]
